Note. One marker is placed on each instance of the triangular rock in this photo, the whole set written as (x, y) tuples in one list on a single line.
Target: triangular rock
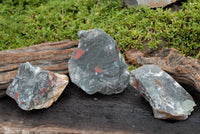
[(34, 88)]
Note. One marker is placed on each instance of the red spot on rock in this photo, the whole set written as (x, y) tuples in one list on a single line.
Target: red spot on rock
[(97, 70), (22, 102), (114, 58), (16, 95), (53, 77), (36, 100), (89, 71), (111, 51), (143, 94), (78, 54), (44, 90), (136, 83), (51, 74)]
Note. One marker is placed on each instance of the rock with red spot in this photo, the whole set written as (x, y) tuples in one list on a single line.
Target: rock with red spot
[(97, 65), (34, 88), (168, 99)]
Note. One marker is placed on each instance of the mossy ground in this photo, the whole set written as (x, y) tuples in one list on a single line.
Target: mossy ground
[(28, 22)]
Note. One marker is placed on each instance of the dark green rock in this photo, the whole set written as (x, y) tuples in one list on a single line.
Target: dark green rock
[(34, 88), (168, 99), (97, 65)]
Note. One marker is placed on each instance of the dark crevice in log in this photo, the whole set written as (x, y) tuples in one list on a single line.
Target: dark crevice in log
[(8, 70), (194, 93), (9, 67), (2, 93)]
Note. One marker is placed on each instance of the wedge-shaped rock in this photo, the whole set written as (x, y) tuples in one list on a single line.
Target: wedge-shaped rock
[(97, 65), (167, 98), (34, 88)]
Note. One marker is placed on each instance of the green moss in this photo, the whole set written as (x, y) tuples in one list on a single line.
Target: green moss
[(132, 67), (27, 22)]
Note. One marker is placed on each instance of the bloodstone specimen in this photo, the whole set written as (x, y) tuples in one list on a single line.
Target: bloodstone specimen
[(34, 88), (97, 65), (167, 98)]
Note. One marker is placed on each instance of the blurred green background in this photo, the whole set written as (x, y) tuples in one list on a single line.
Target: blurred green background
[(28, 22)]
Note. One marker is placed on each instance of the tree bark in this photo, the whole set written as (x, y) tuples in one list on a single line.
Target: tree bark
[(185, 70), (51, 56)]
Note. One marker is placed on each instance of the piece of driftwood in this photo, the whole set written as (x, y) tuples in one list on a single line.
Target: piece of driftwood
[(76, 112), (184, 70), (51, 56)]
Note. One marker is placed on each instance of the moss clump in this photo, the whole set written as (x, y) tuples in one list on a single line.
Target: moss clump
[(27, 22)]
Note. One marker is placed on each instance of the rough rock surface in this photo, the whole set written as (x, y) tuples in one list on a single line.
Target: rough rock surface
[(185, 70), (34, 88), (97, 65), (168, 99), (149, 3)]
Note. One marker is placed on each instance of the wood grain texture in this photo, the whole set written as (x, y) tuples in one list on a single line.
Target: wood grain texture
[(184, 70), (51, 56)]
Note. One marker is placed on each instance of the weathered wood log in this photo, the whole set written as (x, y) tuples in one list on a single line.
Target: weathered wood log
[(184, 70), (51, 56), (76, 112)]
